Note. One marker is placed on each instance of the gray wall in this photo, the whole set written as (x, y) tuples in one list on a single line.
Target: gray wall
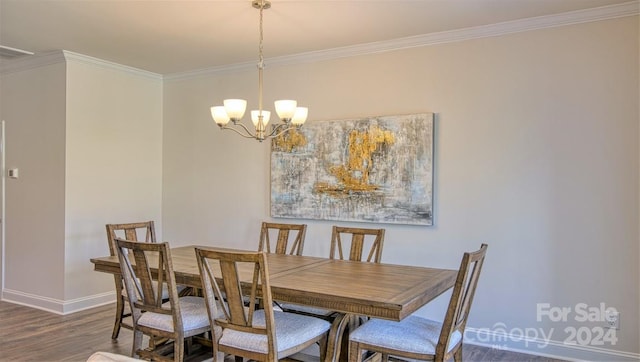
[(536, 154)]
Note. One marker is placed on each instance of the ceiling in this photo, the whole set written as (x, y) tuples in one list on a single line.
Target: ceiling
[(173, 36)]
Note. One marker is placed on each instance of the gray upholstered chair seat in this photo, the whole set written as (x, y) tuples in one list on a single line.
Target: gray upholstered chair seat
[(291, 330), (192, 309), (413, 334)]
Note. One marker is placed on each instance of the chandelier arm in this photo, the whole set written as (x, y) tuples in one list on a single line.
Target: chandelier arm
[(246, 134), (275, 132)]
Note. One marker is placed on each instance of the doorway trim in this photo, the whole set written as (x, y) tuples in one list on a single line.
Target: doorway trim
[(2, 210)]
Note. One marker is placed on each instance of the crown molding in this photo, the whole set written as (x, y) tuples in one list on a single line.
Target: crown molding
[(30, 62), (508, 27), (65, 56), (71, 56)]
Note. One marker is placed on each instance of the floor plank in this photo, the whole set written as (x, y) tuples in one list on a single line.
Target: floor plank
[(28, 334)]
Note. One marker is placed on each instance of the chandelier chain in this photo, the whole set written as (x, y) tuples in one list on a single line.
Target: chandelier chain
[(260, 46), (260, 61)]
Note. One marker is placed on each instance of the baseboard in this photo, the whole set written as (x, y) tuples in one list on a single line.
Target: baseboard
[(542, 347), (57, 306)]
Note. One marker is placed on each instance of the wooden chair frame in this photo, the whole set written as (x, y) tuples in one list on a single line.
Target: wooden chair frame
[(284, 231), (146, 296), (461, 299), (357, 243), (130, 233), (455, 317), (237, 316)]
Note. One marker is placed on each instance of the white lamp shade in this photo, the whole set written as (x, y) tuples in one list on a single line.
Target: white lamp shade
[(285, 108), (300, 116), (235, 108), (219, 115), (265, 117)]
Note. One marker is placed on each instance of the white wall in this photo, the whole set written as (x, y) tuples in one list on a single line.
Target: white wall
[(114, 163), (32, 103), (537, 153), (86, 136)]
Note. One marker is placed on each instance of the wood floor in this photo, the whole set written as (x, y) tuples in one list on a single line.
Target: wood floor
[(28, 334)]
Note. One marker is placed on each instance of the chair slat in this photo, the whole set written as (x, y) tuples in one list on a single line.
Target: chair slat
[(289, 238), (359, 238)]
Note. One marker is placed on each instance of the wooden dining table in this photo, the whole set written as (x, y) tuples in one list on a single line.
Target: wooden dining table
[(349, 288)]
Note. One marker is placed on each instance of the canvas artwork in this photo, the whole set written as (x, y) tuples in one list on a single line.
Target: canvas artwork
[(375, 169)]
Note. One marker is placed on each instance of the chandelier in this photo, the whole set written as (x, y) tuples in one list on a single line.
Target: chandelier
[(291, 116)]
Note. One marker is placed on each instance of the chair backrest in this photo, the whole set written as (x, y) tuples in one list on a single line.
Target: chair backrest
[(132, 232), (359, 237), (284, 234), (462, 297), (144, 294), (219, 272)]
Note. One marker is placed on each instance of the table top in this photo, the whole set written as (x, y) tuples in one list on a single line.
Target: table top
[(377, 290)]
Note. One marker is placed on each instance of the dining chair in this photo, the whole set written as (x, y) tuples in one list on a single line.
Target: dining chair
[(282, 234), (135, 232), (245, 331), (176, 319), (359, 238), (419, 338)]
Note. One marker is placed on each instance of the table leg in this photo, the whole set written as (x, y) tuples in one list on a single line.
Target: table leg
[(336, 333), (338, 341)]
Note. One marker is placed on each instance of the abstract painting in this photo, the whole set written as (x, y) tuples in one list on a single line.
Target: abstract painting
[(374, 169)]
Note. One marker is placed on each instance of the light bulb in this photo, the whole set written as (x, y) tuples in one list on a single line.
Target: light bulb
[(265, 117), (219, 115), (235, 108), (300, 116), (285, 109)]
